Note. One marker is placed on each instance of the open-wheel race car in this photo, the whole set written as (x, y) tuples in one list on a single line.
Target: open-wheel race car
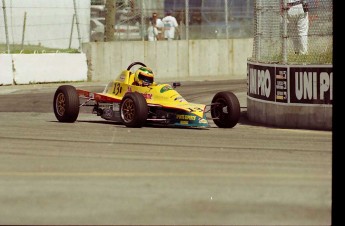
[(136, 105)]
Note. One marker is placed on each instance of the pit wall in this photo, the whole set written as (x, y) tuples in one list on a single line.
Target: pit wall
[(290, 96)]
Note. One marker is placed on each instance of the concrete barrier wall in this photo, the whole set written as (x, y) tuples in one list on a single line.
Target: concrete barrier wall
[(42, 68), (103, 61), (318, 117), (171, 60), (6, 72)]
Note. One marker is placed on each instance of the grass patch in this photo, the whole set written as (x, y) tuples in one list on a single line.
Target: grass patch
[(311, 58), (33, 49)]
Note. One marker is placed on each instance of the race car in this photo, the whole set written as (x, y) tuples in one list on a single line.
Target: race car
[(136, 106)]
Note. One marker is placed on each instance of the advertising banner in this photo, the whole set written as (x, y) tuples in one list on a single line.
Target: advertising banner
[(291, 84)]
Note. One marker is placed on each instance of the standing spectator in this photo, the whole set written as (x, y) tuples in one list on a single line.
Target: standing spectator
[(181, 20), (157, 23), (170, 24), (152, 31), (298, 25)]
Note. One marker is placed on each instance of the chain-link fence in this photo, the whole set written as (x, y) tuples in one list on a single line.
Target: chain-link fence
[(298, 32), (207, 19), (49, 25), (43, 25)]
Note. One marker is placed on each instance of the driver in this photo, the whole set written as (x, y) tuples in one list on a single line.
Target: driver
[(143, 77)]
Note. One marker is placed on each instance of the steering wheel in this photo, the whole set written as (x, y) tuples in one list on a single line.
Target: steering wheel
[(135, 63)]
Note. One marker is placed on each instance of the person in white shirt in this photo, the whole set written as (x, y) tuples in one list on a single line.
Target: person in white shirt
[(157, 23), (298, 25), (170, 25), (152, 31)]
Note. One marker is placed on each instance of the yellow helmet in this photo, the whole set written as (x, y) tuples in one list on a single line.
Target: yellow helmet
[(144, 76)]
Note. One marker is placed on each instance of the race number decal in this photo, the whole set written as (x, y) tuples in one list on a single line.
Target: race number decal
[(117, 88)]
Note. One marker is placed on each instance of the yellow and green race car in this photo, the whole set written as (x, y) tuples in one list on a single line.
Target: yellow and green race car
[(137, 106)]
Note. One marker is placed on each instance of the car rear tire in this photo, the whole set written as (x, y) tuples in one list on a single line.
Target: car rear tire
[(225, 109), (66, 104), (134, 110)]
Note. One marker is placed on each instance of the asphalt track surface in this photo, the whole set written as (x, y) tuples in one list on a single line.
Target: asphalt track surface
[(98, 172)]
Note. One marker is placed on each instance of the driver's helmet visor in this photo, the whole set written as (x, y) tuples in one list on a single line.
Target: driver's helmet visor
[(145, 78)]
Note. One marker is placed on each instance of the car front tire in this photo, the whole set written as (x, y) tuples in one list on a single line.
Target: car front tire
[(225, 109), (66, 104)]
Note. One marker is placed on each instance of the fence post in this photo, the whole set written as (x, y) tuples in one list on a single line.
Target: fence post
[(226, 18), (23, 35), (257, 40), (77, 22), (110, 6), (285, 36), (187, 19), (70, 37), (6, 28), (143, 24)]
